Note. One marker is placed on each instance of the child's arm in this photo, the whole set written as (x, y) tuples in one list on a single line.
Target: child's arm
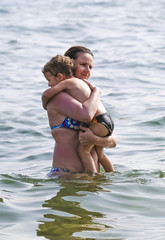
[(51, 92)]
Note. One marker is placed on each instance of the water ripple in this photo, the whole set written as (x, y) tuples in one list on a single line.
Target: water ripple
[(127, 38)]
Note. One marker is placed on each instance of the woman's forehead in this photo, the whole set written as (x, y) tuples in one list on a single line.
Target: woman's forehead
[(84, 57)]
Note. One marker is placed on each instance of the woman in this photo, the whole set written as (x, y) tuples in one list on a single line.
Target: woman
[(83, 71), (65, 157)]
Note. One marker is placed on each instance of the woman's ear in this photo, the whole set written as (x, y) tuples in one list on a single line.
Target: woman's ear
[(60, 76)]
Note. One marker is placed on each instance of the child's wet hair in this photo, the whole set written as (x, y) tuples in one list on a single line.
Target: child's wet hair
[(60, 64)]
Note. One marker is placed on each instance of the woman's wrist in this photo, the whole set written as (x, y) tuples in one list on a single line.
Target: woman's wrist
[(106, 142)]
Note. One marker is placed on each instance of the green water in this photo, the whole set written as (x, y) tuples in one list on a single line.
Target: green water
[(109, 206), (127, 38)]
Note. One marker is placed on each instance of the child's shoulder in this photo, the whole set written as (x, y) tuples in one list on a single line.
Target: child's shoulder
[(74, 80)]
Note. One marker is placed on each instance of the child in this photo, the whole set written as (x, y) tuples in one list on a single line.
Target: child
[(59, 72)]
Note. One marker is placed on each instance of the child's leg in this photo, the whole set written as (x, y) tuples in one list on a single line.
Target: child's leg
[(104, 159), (86, 158)]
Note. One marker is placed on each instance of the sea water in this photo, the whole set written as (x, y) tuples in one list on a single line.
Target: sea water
[(128, 42)]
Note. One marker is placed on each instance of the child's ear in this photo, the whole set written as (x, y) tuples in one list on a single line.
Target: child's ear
[(60, 76)]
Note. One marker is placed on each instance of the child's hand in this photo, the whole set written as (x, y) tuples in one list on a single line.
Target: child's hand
[(45, 98), (91, 86), (44, 102)]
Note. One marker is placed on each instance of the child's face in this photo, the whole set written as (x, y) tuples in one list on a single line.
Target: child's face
[(52, 80)]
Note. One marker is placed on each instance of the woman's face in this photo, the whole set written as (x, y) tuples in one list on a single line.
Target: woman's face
[(84, 64)]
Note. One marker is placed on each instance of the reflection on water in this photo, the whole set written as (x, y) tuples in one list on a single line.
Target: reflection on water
[(108, 206), (68, 215)]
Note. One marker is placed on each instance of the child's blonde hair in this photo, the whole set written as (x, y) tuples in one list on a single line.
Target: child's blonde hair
[(60, 64)]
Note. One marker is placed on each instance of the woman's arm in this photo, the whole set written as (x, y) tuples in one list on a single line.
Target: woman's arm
[(66, 84), (68, 106), (88, 137)]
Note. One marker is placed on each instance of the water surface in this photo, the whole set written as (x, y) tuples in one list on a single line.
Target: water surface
[(127, 39)]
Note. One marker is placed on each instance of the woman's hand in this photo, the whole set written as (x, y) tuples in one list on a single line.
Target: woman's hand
[(86, 136)]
